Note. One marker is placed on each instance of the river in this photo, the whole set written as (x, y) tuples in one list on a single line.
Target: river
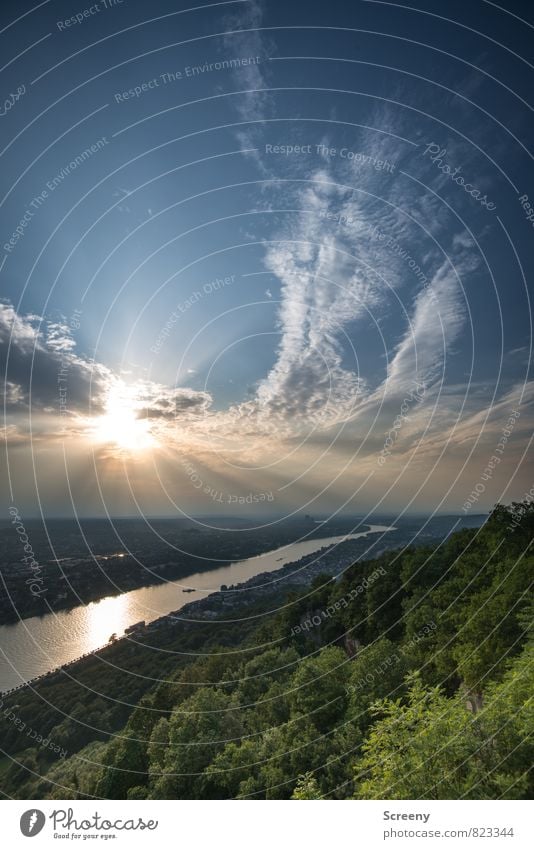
[(34, 646)]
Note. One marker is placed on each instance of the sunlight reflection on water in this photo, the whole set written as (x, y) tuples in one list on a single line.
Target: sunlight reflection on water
[(34, 646)]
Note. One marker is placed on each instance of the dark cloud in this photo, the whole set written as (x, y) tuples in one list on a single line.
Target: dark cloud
[(35, 355)]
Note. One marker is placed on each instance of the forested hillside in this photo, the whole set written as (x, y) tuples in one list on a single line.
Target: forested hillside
[(409, 677)]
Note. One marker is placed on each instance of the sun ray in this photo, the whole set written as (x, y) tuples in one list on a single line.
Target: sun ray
[(122, 424)]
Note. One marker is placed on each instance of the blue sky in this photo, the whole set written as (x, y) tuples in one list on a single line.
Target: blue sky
[(267, 248)]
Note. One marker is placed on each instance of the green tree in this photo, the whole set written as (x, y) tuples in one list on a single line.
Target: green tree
[(319, 687), (419, 750), (198, 730), (433, 747), (307, 788)]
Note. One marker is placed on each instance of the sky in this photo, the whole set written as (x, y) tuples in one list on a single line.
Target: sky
[(265, 258)]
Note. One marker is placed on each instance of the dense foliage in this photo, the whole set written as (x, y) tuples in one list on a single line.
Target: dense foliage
[(410, 677)]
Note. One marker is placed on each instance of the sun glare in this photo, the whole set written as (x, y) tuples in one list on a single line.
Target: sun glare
[(121, 425)]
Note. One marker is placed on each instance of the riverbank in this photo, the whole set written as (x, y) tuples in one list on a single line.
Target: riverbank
[(97, 564), (33, 644)]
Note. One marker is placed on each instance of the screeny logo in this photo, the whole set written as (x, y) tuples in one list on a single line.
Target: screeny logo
[(32, 822)]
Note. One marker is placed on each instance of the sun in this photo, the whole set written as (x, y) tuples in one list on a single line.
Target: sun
[(122, 424)]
